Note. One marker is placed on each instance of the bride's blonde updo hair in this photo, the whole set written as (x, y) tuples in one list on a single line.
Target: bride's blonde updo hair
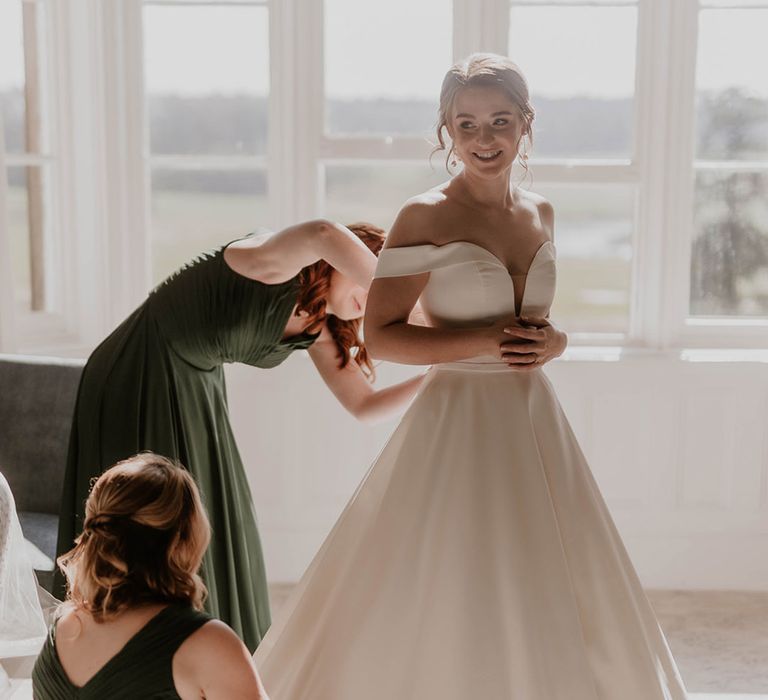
[(486, 70), (143, 539)]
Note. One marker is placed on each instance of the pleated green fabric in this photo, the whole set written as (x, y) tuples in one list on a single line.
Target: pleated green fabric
[(143, 668), (157, 383)]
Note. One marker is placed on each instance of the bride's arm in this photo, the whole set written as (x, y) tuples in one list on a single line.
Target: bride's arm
[(286, 252), (389, 333), (215, 663)]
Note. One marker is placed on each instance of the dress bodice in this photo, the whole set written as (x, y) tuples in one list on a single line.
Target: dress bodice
[(209, 314), (468, 285)]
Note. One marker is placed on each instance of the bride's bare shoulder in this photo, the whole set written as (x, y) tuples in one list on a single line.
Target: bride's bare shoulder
[(419, 220), (540, 208)]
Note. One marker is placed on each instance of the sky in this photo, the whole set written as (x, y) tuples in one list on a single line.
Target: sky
[(382, 49)]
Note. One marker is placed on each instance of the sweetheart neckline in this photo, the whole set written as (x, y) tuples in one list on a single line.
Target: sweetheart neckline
[(496, 259)]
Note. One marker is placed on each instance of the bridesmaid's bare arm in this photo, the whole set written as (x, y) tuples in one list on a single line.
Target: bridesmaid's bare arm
[(285, 253), (214, 664), (352, 388)]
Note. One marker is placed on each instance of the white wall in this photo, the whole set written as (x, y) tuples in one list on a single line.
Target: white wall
[(679, 448)]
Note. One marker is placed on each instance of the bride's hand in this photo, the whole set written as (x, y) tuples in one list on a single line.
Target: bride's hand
[(536, 342), (495, 340)]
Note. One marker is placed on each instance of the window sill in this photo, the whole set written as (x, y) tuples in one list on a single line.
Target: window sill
[(688, 355)]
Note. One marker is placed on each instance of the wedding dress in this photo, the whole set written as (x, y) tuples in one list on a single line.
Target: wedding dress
[(477, 559)]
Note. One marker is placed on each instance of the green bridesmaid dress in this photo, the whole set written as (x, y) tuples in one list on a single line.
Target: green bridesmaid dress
[(157, 383), (143, 668)]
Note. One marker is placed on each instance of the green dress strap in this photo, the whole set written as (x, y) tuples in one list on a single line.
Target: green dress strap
[(143, 668)]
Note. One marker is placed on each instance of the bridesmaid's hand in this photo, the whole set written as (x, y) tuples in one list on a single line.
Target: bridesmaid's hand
[(536, 342)]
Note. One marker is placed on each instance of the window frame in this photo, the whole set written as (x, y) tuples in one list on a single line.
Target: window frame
[(22, 327), (687, 330)]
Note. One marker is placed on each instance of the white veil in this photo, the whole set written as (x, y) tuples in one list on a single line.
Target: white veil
[(25, 608)]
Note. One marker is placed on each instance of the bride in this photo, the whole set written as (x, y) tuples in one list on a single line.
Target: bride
[(477, 559)]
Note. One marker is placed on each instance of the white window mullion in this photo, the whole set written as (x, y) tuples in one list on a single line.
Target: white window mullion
[(307, 119), (296, 104), (126, 190), (7, 321), (480, 25), (79, 204), (281, 145), (652, 104), (60, 180), (678, 124)]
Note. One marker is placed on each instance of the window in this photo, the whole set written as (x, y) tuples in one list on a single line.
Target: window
[(380, 104), (29, 157), (373, 86), (650, 140), (207, 113), (729, 253), (584, 129)]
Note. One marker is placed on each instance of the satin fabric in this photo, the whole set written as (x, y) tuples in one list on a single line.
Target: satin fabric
[(477, 559)]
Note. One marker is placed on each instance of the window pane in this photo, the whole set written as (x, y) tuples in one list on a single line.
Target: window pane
[(593, 236), (12, 74), (732, 91), (375, 193), (207, 79), (26, 216), (584, 104), (21, 85), (729, 267), (384, 63), (196, 211)]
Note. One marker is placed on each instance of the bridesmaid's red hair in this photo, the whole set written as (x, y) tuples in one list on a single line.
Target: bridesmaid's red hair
[(315, 282)]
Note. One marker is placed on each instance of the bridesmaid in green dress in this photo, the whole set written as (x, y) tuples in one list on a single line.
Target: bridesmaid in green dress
[(132, 626), (157, 382)]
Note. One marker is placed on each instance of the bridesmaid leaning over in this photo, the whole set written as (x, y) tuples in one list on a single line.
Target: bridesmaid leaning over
[(157, 382)]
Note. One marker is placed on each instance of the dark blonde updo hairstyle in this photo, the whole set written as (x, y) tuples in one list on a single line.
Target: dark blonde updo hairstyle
[(486, 70), (143, 540), (314, 284)]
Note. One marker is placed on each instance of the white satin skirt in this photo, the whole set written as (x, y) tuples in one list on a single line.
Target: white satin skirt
[(477, 560)]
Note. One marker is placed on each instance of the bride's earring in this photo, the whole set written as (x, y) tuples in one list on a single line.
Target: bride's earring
[(524, 155)]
